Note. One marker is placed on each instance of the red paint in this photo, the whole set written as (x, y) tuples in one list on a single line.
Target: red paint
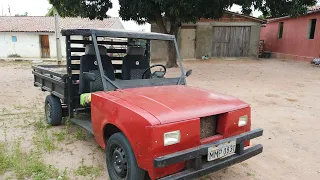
[(211, 139), (295, 43), (178, 103), (145, 114)]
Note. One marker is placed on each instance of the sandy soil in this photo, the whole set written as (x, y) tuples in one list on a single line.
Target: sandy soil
[(283, 95)]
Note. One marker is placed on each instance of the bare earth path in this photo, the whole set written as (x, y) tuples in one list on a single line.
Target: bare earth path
[(284, 98)]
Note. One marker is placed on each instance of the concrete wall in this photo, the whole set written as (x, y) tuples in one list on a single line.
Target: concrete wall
[(28, 44), (158, 48), (204, 36), (294, 43)]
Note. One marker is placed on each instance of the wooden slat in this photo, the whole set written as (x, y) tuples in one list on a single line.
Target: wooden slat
[(99, 42), (77, 49), (116, 58), (112, 58), (75, 77), (75, 57), (117, 66), (75, 66), (124, 51)]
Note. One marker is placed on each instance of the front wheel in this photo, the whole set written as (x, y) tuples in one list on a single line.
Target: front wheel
[(121, 162), (53, 110)]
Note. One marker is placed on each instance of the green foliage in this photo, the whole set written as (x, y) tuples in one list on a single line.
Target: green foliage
[(5, 161), (262, 17), (26, 165), (81, 134), (278, 8), (61, 136), (42, 139), (24, 14), (93, 171), (51, 11), (84, 8)]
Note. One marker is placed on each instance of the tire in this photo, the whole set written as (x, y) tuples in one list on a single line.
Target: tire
[(119, 150), (53, 110)]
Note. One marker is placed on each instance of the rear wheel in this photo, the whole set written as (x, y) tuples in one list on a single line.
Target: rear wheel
[(53, 110), (121, 162)]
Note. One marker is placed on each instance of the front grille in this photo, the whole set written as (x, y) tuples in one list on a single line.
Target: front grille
[(208, 126)]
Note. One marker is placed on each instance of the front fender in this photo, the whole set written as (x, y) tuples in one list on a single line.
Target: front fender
[(130, 119)]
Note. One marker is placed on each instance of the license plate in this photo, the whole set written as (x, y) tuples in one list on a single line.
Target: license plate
[(221, 150)]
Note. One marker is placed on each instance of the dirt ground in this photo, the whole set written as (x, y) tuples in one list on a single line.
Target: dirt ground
[(283, 95)]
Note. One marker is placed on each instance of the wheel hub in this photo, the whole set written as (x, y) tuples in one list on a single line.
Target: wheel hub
[(119, 162), (48, 112)]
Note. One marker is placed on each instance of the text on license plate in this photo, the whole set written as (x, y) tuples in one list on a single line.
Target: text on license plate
[(221, 150)]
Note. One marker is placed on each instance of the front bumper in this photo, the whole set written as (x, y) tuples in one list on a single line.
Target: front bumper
[(197, 168)]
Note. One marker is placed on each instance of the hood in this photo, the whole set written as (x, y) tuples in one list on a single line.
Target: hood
[(176, 103)]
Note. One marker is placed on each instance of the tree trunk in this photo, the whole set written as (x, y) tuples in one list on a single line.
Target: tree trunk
[(171, 50), (174, 28)]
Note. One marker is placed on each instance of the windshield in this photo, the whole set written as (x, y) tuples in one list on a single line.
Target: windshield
[(136, 65)]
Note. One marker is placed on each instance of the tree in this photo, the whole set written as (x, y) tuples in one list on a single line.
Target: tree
[(24, 14), (51, 11), (262, 16), (170, 14)]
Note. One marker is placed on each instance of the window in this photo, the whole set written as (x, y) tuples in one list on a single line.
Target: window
[(14, 38), (280, 30), (312, 28)]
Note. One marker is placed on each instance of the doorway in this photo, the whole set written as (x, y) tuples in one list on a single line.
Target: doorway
[(187, 42), (231, 41), (45, 46)]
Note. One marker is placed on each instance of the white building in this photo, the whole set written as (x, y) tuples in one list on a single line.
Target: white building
[(34, 37)]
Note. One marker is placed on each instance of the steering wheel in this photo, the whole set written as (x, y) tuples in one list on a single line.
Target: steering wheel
[(156, 74)]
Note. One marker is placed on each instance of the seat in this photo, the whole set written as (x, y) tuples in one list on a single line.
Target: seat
[(89, 64), (134, 64)]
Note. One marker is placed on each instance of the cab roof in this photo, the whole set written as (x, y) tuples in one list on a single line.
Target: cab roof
[(117, 33)]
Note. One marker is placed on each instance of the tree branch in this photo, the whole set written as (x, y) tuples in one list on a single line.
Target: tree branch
[(160, 21)]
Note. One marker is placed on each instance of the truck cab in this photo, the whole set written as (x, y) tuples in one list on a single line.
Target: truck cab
[(150, 125)]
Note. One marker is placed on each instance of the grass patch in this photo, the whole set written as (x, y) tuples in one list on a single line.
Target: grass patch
[(93, 171), (27, 165), (60, 136), (5, 161), (81, 134), (43, 139), (41, 125)]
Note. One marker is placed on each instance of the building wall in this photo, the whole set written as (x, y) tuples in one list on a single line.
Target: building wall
[(263, 32), (205, 35), (204, 38), (28, 44), (295, 43), (158, 48)]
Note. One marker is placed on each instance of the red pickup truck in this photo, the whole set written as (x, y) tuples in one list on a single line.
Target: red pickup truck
[(149, 125)]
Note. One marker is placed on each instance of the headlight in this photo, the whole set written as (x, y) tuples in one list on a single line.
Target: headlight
[(243, 120), (171, 138)]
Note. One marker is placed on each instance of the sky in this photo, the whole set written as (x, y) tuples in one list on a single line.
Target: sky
[(40, 8)]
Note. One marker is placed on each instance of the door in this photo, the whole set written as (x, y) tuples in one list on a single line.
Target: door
[(187, 42), (231, 41), (45, 47)]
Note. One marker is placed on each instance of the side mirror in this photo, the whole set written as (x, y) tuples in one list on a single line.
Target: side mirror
[(88, 76), (188, 73)]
